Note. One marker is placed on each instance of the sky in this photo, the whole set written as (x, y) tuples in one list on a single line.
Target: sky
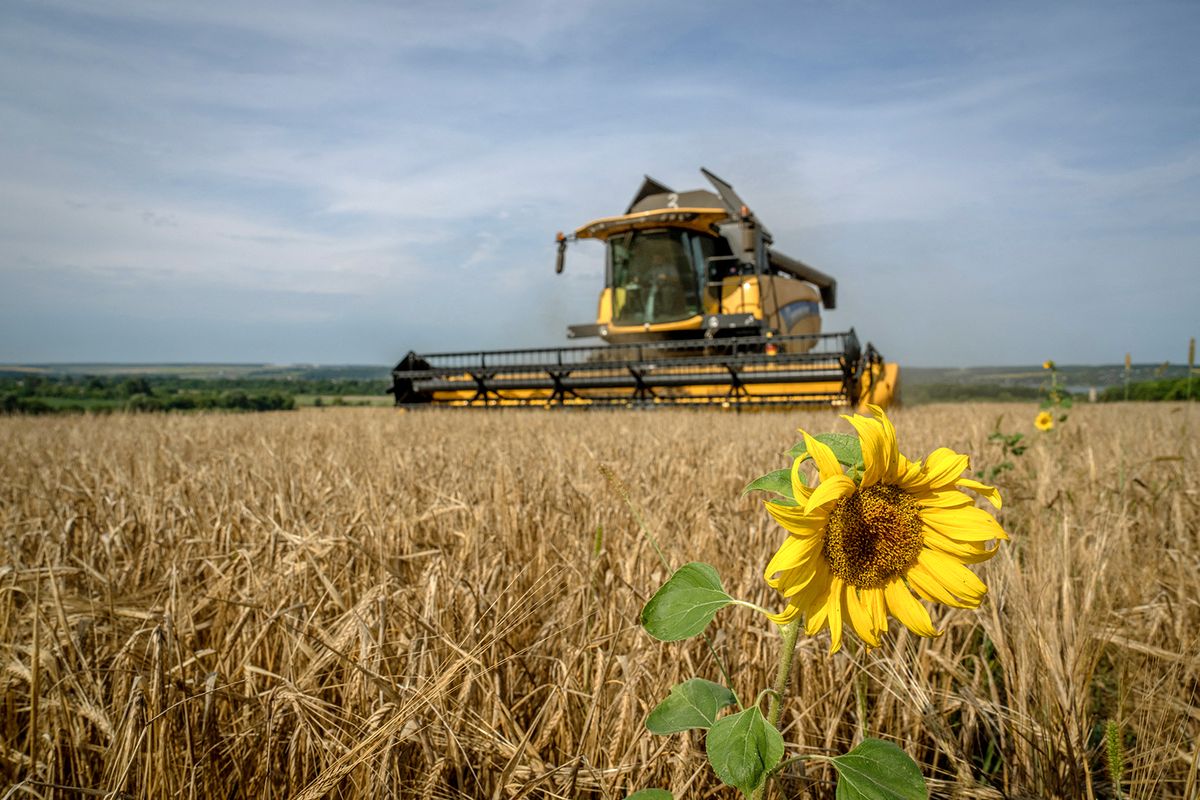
[(315, 182)]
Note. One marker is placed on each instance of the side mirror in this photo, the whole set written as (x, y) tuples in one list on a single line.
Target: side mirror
[(561, 261)]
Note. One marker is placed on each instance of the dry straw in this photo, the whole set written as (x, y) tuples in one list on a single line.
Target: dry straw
[(360, 604)]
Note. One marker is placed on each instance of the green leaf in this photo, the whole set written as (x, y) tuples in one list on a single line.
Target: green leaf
[(878, 770), (778, 482), (743, 748), (691, 704), (685, 604), (651, 794), (846, 447)]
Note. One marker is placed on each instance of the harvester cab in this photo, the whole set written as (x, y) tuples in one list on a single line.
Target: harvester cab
[(697, 308), (680, 265)]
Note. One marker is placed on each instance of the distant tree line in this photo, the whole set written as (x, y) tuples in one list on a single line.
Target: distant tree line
[(11, 403), (116, 387), (36, 394), (235, 400), (1165, 389)]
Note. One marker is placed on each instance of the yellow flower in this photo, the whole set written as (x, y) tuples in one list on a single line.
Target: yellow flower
[(1044, 421), (1047, 364), (856, 553)]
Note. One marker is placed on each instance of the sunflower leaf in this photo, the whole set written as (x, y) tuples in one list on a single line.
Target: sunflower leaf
[(651, 794), (846, 448), (778, 482), (743, 748), (685, 604), (878, 770), (691, 704)]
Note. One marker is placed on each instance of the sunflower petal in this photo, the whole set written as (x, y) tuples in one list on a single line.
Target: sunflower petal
[(950, 572), (928, 587), (908, 474), (967, 524), (816, 616), (891, 445), (815, 600), (875, 459), (831, 489), (802, 581), (787, 615), (908, 609), (794, 552), (943, 498), (795, 519), (807, 587), (800, 491), (966, 552), (861, 617), (791, 582), (878, 609), (942, 467), (989, 493), (826, 461), (837, 604)]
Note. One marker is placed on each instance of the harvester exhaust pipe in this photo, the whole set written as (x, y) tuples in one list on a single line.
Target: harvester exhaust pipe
[(749, 241), (561, 261)]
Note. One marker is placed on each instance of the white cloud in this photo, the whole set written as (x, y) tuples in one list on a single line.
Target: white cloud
[(383, 156)]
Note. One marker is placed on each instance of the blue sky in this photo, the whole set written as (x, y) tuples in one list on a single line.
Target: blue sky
[(323, 182)]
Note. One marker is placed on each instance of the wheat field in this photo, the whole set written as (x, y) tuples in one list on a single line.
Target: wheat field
[(361, 603)]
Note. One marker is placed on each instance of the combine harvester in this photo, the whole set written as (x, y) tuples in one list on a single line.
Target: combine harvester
[(697, 309)]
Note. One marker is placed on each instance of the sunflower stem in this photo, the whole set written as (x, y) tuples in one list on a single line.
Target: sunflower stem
[(860, 693), (790, 632)]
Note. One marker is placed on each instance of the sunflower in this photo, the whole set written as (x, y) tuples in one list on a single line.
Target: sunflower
[(1047, 364), (856, 552), (1044, 421)]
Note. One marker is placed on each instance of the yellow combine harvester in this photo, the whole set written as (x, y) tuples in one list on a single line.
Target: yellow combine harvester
[(697, 309)]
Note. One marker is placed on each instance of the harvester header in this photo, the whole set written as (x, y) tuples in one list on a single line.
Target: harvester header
[(697, 307)]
